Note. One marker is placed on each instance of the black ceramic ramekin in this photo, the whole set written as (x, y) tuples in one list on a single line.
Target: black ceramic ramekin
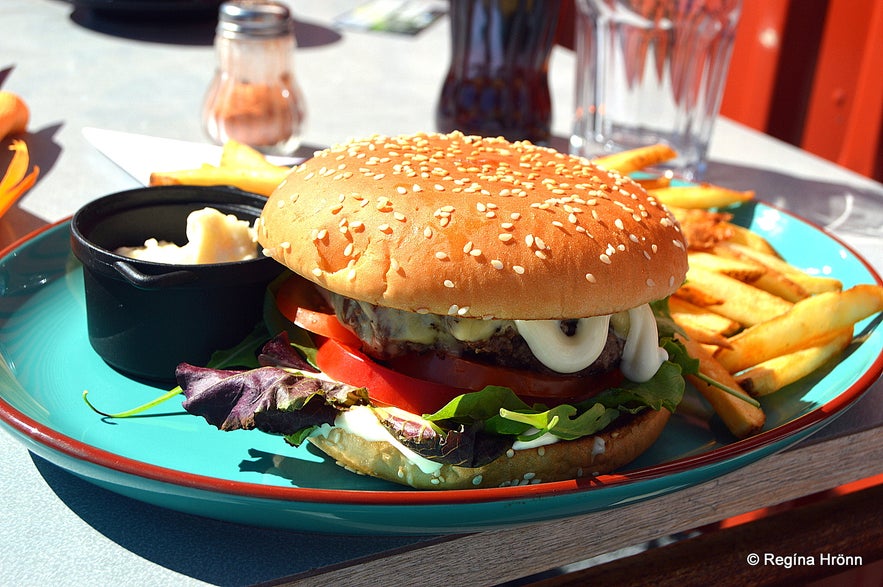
[(144, 317)]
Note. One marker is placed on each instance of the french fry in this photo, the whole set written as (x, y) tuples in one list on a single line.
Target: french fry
[(701, 196), (741, 418), (259, 181), (654, 183), (241, 166), (636, 159), (734, 267), (772, 280), (685, 313), (698, 296), (812, 284), (807, 322), (774, 374), (702, 335), (741, 302), (238, 155), (752, 240)]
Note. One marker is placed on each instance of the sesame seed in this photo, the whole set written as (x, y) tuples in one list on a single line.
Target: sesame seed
[(591, 278), (351, 275), (348, 250), (497, 264), (427, 232), (399, 216), (320, 236), (505, 237), (605, 258), (385, 228), (518, 269), (317, 272), (448, 283), (402, 190), (441, 256), (475, 252)]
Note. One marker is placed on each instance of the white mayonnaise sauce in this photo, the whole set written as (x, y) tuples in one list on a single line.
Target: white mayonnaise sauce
[(560, 352), (361, 421), (544, 439), (641, 357), (212, 237)]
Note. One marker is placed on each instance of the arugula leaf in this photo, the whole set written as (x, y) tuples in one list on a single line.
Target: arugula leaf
[(503, 412)]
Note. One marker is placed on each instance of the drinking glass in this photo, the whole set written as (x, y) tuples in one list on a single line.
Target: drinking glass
[(651, 71)]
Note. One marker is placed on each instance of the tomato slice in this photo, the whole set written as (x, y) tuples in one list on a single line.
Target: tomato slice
[(385, 386), (301, 303), (422, 383), (529, 385)]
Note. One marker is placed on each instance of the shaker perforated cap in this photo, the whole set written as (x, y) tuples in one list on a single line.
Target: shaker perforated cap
[(254, 19)]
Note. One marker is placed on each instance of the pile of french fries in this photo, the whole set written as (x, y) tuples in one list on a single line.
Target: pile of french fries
[(755, 322), (240, 166)]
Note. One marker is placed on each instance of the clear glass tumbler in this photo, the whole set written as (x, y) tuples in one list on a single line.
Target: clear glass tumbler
[(651, 71)]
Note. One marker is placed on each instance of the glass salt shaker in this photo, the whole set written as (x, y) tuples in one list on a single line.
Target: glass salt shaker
[(254, 97)]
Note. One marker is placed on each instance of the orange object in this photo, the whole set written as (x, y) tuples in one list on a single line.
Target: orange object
[(14, 182), (845, 114), (14, 114), (812, 77), (751, 79)]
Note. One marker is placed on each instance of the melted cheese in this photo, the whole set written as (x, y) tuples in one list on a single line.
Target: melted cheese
[(212, 237)]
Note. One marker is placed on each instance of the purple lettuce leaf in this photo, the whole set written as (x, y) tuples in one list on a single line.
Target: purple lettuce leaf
[(269, 399)]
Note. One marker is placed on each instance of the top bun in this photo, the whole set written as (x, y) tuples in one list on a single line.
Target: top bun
[(475, 227)]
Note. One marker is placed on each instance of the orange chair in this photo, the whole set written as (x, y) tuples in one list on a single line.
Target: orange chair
[(809, 72)]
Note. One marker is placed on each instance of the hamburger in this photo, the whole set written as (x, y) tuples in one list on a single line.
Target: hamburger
[(488, 309)]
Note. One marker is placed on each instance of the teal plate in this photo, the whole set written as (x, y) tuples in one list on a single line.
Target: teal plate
[(177, 461)]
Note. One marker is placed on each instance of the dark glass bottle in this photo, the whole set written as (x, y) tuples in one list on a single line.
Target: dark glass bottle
[(497, 83)]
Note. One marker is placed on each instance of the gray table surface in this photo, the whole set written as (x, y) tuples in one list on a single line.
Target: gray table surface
[(77, 68)]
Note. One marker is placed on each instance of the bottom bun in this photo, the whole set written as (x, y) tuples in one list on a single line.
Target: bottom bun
[(613, 448)]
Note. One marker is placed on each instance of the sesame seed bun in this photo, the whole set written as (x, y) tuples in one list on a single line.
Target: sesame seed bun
[(607, 451), (478, 227)]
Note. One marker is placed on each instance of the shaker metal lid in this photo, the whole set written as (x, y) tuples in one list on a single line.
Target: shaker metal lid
[(254, 19)]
